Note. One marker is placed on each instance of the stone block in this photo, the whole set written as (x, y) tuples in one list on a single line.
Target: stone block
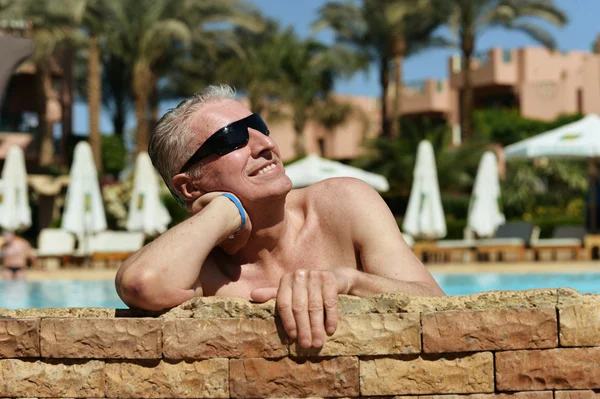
[(263, 378), (19, 338), (161, 379), (101, 338), (370, 334), (494, 329), (202, 339), (421, 375), (563, 368)]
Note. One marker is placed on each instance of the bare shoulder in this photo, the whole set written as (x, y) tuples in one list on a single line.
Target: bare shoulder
[(330, 194), (337, 202)]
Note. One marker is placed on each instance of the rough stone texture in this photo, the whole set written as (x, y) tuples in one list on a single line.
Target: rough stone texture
[(538, 298), (101, 338), (569, 296), (262, 378), (370, 334), (56, 312), (580, 325), (414, 375), (494, 329), (161, 379), (19, 378), (564, 368), (516, 395), (222, 308), (202, 339), (19, 338), (587, 394)]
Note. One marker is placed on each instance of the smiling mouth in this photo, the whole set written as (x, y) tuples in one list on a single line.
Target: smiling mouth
[(265, 169)]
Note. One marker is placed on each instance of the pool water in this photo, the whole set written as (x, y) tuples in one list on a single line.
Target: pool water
[(101, 293)]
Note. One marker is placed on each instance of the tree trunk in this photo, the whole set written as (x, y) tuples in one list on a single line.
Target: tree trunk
[(398, 51), (466, 106), (94, 100), (384, 79), (299, 125), (45, 136), (66, 91), (141, 93), (153, 105)]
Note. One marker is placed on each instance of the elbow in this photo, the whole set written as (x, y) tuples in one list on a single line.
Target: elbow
[(142, 289)]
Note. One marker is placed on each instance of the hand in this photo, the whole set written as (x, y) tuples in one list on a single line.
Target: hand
[(229, 245), (307, 302)]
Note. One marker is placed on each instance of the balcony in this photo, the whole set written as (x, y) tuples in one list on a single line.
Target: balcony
[(497, 67), (425, 97)]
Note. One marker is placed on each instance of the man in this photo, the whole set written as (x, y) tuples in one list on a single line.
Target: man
[(16, 252), (262, 240)]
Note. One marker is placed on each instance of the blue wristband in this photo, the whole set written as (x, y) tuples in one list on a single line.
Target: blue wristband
[(237, 203)]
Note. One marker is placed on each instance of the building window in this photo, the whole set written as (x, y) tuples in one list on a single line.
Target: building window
[(506, 56), (580, 101)]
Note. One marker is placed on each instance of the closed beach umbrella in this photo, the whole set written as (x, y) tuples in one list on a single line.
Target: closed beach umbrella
[(313, 169), (484, 210), (580, 139), (15, 213), (424, 216), (84, 209), (146, 212)]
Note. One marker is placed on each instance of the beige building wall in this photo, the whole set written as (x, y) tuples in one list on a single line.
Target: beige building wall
[(545, 84)]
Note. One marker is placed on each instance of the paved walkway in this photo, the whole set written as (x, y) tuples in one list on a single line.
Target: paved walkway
[(484, 267)]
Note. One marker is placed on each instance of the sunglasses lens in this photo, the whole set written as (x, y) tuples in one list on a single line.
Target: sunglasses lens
[(230, 139)]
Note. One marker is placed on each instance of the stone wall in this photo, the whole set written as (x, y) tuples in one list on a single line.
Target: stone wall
[(540, 344)]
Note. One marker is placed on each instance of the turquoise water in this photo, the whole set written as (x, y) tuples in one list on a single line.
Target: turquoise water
[(63, 294)]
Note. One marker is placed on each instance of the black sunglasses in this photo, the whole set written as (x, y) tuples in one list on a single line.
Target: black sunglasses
[(227, 139)]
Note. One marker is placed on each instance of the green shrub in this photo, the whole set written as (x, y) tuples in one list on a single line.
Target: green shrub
[(113, 154)]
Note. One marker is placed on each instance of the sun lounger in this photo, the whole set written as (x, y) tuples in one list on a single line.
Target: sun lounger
[(563, 238), (112, 247), (56, 245), (511, 237)]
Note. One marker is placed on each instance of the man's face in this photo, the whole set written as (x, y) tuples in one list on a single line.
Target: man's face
[(252, 172)]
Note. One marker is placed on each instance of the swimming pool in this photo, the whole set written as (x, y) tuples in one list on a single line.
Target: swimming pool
[(101, 293)]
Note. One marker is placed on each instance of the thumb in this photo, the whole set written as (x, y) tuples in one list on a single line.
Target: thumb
[(263, 294)]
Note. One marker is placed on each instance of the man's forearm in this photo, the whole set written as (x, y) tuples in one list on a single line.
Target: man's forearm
[(365, 285), (167, 269)]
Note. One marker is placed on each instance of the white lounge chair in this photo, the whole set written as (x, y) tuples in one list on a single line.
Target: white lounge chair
[(55, 244), (115, 246)]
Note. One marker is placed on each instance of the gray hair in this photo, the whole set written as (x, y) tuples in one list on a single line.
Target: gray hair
[(169, 141)]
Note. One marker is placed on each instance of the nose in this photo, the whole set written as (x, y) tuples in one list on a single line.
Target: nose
[(260, 143)]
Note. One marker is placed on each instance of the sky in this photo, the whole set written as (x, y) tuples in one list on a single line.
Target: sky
[(579, 34)]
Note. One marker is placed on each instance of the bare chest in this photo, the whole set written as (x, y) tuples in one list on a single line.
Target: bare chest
[(319, 252)]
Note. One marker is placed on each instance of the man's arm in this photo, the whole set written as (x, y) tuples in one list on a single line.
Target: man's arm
[(165, 272), (307, 299), (388, 263)]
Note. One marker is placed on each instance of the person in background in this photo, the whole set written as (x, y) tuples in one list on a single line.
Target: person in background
[(16, 253), (251, 236)]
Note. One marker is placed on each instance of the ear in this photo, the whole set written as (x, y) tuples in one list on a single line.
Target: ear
[(186, 187)]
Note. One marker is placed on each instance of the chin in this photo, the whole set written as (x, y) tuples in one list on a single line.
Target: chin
[(273, 190)]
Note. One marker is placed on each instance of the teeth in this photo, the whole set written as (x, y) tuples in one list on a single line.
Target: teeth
[(266, 169)]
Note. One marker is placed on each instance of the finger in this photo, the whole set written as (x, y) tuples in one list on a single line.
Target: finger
[(330, 302), (300, 308), (263, 294), (315, 309), (284, 306)]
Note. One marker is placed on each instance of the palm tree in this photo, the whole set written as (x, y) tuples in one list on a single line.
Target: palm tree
[(94, 16), (469, 18), (307, 77), (154, 34), (253, 66), (382, 32)]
